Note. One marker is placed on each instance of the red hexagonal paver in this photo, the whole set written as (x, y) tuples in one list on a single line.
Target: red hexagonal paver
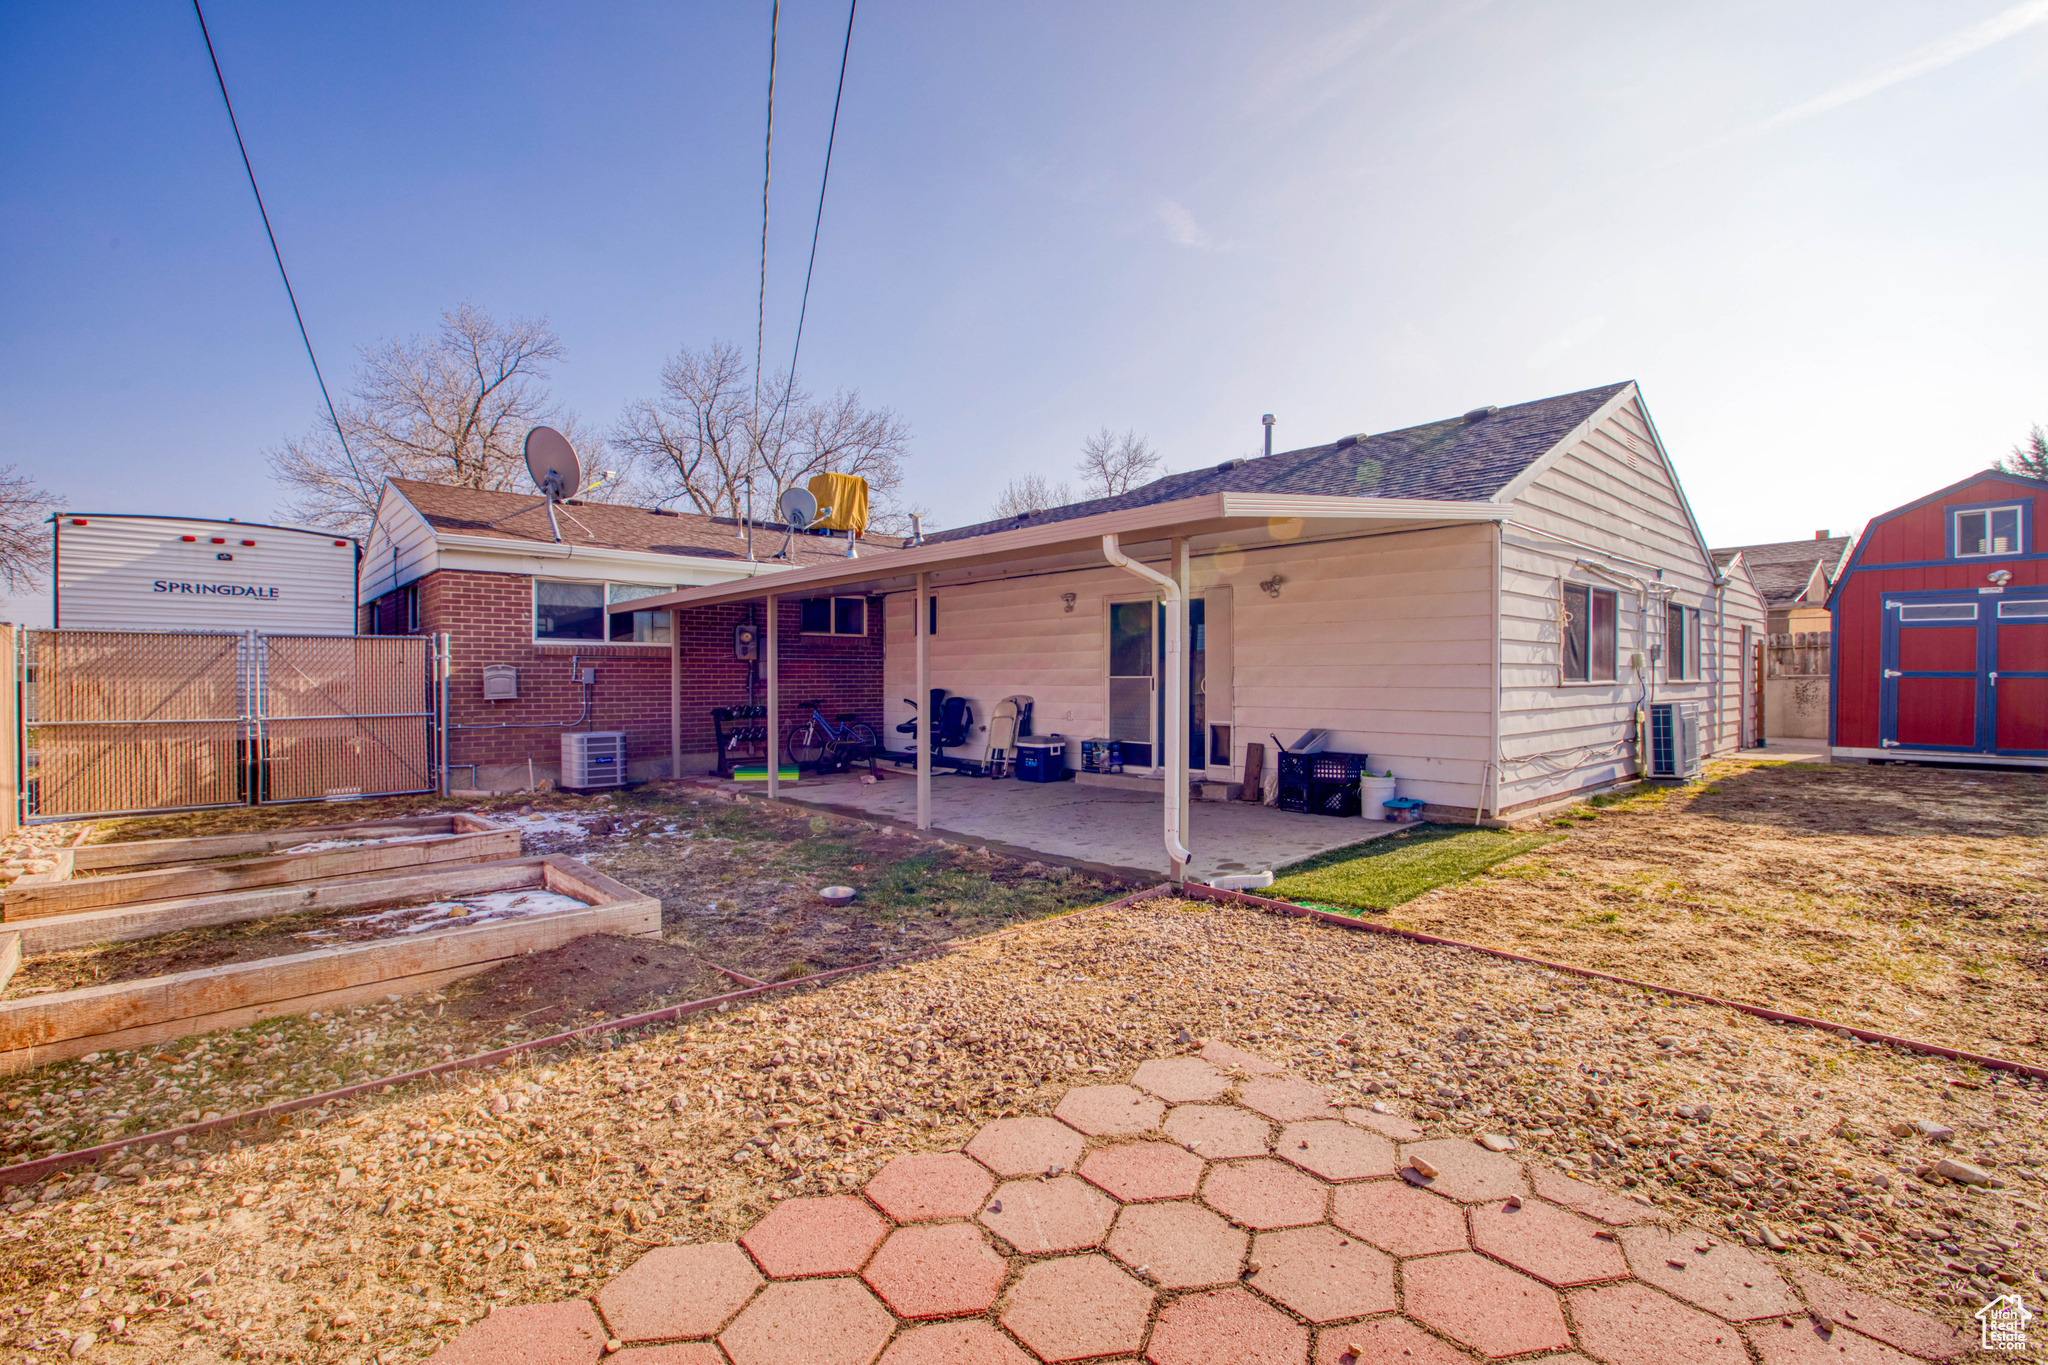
[(1804, 1343), (1632, 1324), (1265, 1194), (1914, 1333), (809, 1322), (1727, 1279), (1178, 1246), (1078, 1308), (1109, 1110), (1027, 1146), (1488, 1307), (1285, 1098), (1040, 1217), (1231, 1058), (1591, 1200), (937, 1272), (1383, 1341), (1322, 1274), (1181, 1080), (1467, 1172), (1228, 1327), (1386, 1125), (1396, 1217), (1134, 1171), (1218, 1131), (537, 1334), (1558, 1248), (954, 1343), (674, 1292), (679, 1353), (833, 1235), (911, 1189), (1335, 1150)]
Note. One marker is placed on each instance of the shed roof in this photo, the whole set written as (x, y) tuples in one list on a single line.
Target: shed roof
[(521, 518)]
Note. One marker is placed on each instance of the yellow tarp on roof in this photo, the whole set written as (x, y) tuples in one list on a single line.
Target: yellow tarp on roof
[(847, 496)]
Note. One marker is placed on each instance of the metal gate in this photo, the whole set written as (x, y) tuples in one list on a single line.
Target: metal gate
[(122, 722)]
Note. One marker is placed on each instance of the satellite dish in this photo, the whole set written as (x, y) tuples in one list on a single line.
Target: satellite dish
[(797, 507), (552, 462)]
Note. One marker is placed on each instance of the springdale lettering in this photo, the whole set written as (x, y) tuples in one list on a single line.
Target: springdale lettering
[(166, 585)]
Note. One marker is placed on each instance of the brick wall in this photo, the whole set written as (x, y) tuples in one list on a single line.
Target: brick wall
[(489, 618)]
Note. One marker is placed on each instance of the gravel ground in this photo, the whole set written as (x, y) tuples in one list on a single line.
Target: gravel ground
[(376, 1233), (1911, 901)]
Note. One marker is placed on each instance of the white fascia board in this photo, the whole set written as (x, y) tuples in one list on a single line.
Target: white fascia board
[(1206, 511), (488, 554)]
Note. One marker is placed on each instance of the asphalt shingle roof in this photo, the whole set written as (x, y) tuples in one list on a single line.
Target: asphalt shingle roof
[(1458, 459), (613, 526), (1783, 568)]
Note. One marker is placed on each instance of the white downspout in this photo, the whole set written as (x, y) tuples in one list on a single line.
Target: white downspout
[(1175, 740)]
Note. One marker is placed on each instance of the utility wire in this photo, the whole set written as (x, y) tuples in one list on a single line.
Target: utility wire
[(818, 222), (276, 255), (767, 159)]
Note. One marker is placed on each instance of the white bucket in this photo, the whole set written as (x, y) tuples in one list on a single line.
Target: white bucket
[(1373, 793)]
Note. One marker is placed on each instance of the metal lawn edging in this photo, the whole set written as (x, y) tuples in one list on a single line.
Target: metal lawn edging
[(29, 1172), (1196, 891)]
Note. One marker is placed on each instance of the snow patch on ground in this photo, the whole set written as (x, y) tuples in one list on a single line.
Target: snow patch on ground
[(466, 913), (322, 845)]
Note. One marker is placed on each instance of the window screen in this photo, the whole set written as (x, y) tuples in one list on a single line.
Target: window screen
[(637, 627), (568, 611), (1589, 621), (1993, 531)]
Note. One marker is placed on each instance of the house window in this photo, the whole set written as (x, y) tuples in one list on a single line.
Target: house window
[(1681, 643), (1988, 531), (1589, 620), (596, 613), (409, 608), (629, 627), (834, 616)]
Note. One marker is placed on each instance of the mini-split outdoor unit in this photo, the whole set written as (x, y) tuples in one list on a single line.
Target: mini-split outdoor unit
[(594, 758), (1674, 740)]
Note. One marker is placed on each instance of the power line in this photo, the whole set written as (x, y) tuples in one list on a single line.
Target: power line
[(276, 255), (818, 222), (767, 158)]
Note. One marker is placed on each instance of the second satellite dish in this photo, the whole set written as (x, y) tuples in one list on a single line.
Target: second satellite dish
[(552, 462)]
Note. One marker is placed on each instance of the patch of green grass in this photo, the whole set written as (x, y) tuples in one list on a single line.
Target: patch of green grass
[(1391, 871)]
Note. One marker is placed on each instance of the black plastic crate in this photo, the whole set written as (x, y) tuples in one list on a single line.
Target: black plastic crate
[(1320, 798), (1323, 767)]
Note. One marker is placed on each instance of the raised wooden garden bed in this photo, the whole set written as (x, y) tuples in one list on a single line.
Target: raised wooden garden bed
[(59, 1024), (165, 869)]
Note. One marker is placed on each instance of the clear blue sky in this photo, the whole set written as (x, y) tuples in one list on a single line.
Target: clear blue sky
[(1810, 228)]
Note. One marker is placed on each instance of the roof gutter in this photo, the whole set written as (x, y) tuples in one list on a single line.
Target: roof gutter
[(1175, 740)]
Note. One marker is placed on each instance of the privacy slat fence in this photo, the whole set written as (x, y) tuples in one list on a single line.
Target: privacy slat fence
[(119, 722)]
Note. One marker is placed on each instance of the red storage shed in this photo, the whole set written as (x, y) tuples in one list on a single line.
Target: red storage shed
[(1941, 629)]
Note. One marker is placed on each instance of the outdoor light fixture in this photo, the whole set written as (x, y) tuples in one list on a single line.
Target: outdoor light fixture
[(2000, 576), (1069, 598), (1272, 585)]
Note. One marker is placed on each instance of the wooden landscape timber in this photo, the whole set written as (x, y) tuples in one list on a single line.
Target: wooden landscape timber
[(46, 1028), (166, 869)]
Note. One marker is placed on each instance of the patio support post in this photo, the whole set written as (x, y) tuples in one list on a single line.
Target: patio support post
[(675, 695), (920, 610), (1184, 716), (774, 706)]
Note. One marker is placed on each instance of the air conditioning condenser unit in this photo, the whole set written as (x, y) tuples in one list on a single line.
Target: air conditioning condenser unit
[(1674, 740), (594, 758)]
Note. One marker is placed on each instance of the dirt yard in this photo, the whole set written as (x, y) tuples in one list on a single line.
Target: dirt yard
[(1913, 901)]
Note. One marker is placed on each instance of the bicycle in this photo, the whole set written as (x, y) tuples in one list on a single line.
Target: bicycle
[(818, 743)]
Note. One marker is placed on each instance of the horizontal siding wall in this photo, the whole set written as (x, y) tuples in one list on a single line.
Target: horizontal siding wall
[(1385, 641), (1615, 496), (401, 548)]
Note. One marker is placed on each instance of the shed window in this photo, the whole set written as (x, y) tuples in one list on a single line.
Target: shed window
[(1988, 531), (2024, 610), (1937, 611), (834, 616), (1589, 621), (1681, 643)]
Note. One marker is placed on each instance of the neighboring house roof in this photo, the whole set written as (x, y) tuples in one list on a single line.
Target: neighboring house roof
[(612, 526), (1788, 572), (1459, 459)]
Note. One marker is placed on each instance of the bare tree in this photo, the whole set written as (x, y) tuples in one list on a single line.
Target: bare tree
[(453, 408), (2030, 458), (24, 530), (1031, 493), (1114, 463), (704, 439)]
